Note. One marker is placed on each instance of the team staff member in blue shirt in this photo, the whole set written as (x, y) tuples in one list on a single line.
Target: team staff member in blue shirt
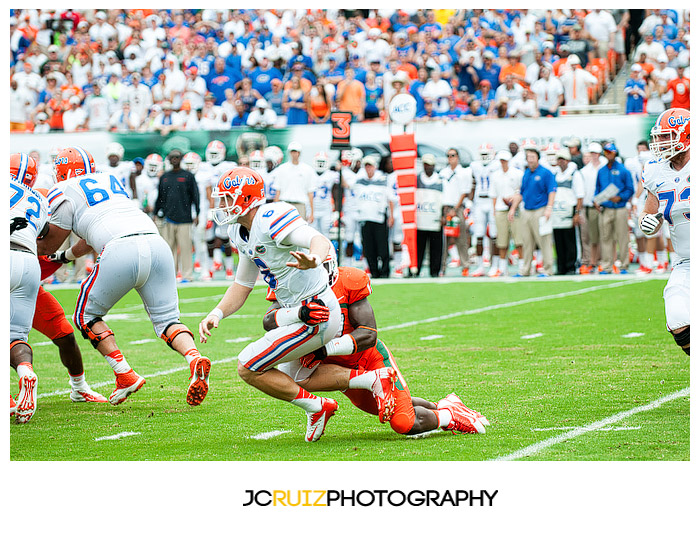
[(537, 191), (612, 221)]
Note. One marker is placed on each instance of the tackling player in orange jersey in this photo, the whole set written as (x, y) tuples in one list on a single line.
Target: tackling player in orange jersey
[(351, 362)]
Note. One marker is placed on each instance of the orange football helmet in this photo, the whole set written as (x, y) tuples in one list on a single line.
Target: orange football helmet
[(670, 135), (239, 190), (23, 168), (72, 162)]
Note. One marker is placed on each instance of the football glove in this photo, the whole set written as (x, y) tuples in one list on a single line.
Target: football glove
[(17, 223), (59, 256), (314, 312), (314, 358), (649, 223)]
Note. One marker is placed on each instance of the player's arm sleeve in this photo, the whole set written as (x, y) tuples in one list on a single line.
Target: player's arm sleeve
[(247, 272), (62, 213)]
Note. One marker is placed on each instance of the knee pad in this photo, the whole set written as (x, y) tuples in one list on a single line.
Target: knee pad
[(177, 331), (94, 338), (401, 423), (682, 338)]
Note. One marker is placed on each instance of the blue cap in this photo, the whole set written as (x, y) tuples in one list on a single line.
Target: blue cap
[(610, 146), (139, 160)]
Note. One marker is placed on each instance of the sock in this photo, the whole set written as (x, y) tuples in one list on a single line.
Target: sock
[(306, 401), (504, 265), (117, 362), (444, 417), (25, 369), (191, 355), (661, 256), (362, 380), (218, 256), (77, 381), (228, 262)]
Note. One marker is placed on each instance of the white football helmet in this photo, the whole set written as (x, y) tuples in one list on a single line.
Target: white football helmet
[(215, 153), (321, 162), (153, 165), (116, 149), (273, 154), (550, 151), (486, 152), (256, 161), (191, 162), (349, 157)]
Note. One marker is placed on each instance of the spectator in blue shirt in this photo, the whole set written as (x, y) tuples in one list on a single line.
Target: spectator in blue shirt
[(333, 74), (635, 89), (613, 212), (475, 110), (416, 89), (486, 95), (275, 96), (536, 195), (428, 112), (262, 75), (374, 101), (220, 78), (489, 70)]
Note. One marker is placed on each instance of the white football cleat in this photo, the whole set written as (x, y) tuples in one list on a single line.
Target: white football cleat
[(383, 391), (199, 380), (479, 272), (85, 394), (26, 400), (452, 400), (316, 422), (127, 383)]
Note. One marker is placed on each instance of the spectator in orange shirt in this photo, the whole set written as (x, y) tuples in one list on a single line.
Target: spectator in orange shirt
[(514, 67), (351, 95), (645, 64), (179, 31), (681, 90), (319, 102)]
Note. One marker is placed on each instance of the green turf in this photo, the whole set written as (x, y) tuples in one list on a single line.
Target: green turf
[(581, 370)]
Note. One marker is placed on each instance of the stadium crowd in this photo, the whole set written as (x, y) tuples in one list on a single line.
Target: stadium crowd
[(165, 70)]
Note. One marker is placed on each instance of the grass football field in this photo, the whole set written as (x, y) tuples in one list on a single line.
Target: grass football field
[(565, 369)]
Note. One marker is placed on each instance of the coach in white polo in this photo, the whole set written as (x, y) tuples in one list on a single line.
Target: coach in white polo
[(295, 182)]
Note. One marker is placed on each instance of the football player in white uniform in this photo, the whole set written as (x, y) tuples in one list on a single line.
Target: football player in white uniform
[(274, 241), (667, 181), (482, 208), (133, 255), (29, 218), (121, 170), (147, 183), (192, 163), (273, 158), (351, 161), (323, 193), (216, 164)]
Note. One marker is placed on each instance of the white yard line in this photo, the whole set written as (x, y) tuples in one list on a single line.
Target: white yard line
[(532, 336), (397, 326), (117, 436), (269, 435), (509, 304), (536, 448)]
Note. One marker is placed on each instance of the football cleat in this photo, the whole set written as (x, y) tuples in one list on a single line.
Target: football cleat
[(383, 391), (85, 394), (479, 272), (465, 272), (217, 266), (199, 380), (495, 273), (316, 422), (464, 420), (26, 400), (13, 406), (229, 275), (127, 383), (644, 270), (661, 268)]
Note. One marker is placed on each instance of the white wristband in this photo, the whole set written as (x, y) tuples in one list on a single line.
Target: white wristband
[(217, 313), (70, 256), (286, 316), (344, 345)]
